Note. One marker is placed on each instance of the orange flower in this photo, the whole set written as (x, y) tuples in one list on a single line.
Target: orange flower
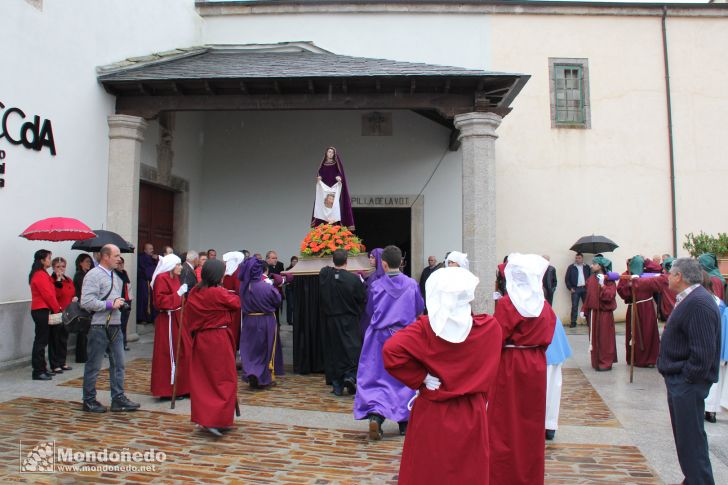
[(339, 241), (347, 247), (326, 237)]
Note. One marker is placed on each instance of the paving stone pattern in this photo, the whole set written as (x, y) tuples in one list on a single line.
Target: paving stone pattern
[(581, 405), (256, 452), (293, 391)]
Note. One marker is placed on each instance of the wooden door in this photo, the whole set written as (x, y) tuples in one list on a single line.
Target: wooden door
[(156, 216)]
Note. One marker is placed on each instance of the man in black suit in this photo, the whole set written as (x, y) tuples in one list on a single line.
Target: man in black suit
[(549, 282), (431, 267), (576, 275), (188, 275), (274, 266), (689, 360)]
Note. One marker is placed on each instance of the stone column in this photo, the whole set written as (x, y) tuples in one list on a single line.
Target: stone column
[(126, 134), (477, 138)]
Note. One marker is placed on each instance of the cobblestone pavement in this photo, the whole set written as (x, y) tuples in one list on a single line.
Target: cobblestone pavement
[(611, 432), (293, 391), (581, 405), (256, 452)]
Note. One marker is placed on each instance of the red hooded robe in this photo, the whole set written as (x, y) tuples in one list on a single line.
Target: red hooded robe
[(447, 436)]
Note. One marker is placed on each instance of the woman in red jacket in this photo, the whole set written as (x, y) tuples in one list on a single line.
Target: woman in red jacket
[(43, 303), (58, 340)]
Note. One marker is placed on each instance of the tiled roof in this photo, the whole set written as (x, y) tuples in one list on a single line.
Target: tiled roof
[(245, 63)]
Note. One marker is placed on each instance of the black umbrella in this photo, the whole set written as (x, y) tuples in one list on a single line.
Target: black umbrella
[(594, 245), (102, 239)]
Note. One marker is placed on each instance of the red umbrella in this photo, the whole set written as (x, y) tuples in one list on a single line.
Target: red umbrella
[(58, 229)]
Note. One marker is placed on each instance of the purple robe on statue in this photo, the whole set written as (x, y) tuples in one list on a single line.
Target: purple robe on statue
[(378, 273), (328, 174), (145, 270), (394, 303), (259, 333)]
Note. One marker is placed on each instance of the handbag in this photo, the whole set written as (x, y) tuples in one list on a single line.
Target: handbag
[(78, 320), (55, 319)]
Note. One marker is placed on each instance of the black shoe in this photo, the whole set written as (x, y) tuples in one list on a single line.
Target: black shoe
[(338, 390), (573, 325), (122, 403), (126, 347), (93, 407), (550, 433), (57, 371), (350, 385), (402, 428), (214, 431), (43, 376), (710, 417), (375, 429), (67, 367), (253, 382)]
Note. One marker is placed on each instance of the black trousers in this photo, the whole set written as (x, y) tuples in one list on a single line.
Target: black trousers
[(578, 294), (57, 346), (687, 415), (290, 304), (40, 317), (124, 321), (81, 354)]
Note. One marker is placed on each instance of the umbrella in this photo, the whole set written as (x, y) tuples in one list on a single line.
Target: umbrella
[(58, 229), (594, 245), (102, 239)]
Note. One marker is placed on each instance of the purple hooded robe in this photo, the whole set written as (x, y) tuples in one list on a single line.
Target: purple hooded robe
[(259, 333), (394, 303), (378, 273), (328, 174)]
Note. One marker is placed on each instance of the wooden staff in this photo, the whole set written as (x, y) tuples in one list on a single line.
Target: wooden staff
[(631, 344), (237, 405), (594, 331), (176, 352)]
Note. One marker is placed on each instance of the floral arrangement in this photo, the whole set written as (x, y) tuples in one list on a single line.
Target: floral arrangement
[(324, 239)]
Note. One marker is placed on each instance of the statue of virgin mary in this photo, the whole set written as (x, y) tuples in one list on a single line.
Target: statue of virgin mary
[(332, 204)]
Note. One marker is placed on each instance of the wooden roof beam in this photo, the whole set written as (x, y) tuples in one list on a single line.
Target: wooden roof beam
[(447, 106)]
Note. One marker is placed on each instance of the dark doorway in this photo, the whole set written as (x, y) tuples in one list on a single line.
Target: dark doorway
[(156, 216), (381, 227)]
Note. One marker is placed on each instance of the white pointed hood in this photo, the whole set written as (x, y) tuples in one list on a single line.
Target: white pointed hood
[(449, 293), (524, 282)]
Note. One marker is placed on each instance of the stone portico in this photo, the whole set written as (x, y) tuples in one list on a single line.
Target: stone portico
[(298, 76)]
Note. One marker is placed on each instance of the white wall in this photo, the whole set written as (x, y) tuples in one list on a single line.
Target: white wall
[(699, 76), (49, 61), (259, 169), (454, 40)]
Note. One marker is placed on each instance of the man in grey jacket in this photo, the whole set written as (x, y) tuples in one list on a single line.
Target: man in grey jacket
[(101, 295)]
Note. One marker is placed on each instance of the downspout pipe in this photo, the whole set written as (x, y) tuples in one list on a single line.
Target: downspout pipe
[(670, 139)]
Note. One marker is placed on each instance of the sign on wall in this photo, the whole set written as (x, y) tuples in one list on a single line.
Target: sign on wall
[(383, 200), (17, 128)]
